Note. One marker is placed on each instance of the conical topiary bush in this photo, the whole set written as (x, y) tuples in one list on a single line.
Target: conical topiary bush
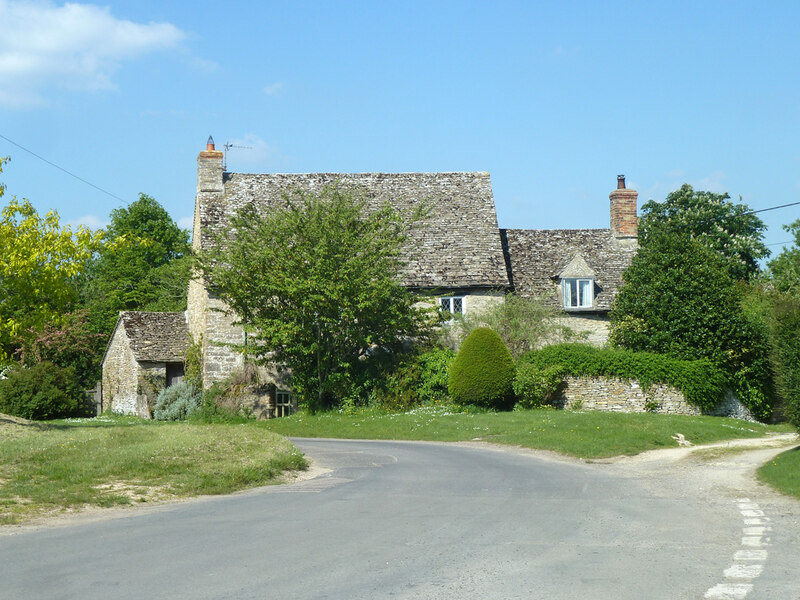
[(483, 372)]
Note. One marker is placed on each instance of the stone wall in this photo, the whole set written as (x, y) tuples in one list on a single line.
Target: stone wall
[(220, 360), (480, 301), (620, 395), (120, 374), (589, 327), (606, 393)]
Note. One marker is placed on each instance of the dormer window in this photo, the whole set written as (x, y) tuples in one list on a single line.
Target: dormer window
[(578, 292), (452, 304)]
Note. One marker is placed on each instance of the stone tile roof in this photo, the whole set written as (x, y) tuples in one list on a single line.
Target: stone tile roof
[(156, 336), (536, 257), (459, 246)]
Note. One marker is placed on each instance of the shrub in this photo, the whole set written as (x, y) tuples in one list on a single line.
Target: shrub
[(177, 402), (523, 323), (482, 372), (536, 386), (702, 383), (42, 391), (678, 298), (193, 363), (420, 379), (785, 353)]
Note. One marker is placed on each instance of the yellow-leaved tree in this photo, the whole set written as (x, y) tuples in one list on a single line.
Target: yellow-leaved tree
[(39, 260)]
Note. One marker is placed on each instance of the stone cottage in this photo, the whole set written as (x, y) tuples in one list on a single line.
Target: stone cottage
[(460, 255), (578, 270), (145, 354)]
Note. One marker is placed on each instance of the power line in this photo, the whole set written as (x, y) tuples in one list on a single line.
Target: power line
[(752, 212), (61, 168)]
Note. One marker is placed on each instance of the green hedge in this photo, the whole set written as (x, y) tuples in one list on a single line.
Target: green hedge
[(482, 373), (702, 384)]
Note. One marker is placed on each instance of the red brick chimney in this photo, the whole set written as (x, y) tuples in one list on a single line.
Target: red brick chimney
[(209, 169), (624, 222)]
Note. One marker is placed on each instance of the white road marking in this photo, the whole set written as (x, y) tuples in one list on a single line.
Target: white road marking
[(743, 571), (752, 541), (729, 591), (752, 551), (750, 556)]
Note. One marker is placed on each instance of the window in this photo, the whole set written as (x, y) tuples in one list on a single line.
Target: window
[(284, 403), (175, 373), (452, 304), (578, 293)]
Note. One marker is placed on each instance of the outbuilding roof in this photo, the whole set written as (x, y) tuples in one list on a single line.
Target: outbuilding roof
[(458, 246), (156, 336), (537, 259)]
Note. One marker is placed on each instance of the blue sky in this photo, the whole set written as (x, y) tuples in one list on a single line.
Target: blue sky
[(553, 99)]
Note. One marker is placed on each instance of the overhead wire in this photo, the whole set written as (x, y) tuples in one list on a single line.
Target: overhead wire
[(61, 168)]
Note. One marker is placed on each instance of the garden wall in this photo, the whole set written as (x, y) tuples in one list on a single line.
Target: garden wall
[(621, 395)]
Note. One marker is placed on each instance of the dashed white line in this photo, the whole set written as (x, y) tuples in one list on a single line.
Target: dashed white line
[(739, 571), (749, 561), (729, 591)]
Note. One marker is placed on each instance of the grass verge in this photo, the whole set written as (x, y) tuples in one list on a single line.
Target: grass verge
[(590, 434), (783, 472), (66, 465)]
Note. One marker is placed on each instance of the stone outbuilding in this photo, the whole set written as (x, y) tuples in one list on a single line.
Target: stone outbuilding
[(146, 353)]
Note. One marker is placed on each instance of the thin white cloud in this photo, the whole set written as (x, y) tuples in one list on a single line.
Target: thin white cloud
[(273, 88), (186, 223), (75, 46), (712, 183), (249, 150), (674, 179), (90, 221)]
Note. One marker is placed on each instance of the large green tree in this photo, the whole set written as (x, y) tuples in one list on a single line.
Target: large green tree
[(143, 266), (729, 229), (784, 269), (39, 261), (678, 298), (317, 285)]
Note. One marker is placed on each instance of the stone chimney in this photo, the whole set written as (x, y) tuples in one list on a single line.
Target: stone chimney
[(209, 169), (624, 222)]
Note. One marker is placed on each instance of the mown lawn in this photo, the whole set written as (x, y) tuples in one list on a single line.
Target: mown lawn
[(61, 465), (783, 472), (576, 433)]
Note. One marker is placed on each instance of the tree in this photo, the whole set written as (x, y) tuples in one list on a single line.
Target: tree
[(39, 261), (317, 285), (522, 323), (731, 230), (143, 266), (678, 298), (784, 269), (482, 373)]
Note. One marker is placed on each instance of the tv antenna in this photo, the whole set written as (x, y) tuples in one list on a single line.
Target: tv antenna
[(227, 146)]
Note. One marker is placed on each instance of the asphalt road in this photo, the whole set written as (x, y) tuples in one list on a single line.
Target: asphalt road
[(408, 520)]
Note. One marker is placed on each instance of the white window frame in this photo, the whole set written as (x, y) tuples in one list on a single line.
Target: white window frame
[(584, 293), (447, 304)]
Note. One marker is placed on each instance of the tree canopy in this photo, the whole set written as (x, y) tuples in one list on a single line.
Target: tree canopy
[(39, 260), (316, 284), (678, 298), (144, 265), (729, 229), (784, 269)]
